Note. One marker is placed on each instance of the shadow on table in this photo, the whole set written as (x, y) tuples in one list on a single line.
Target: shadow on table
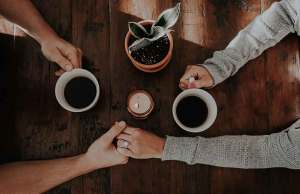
[(8, 135)]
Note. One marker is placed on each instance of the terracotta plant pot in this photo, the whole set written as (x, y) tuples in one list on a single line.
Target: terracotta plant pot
[(153, 67)]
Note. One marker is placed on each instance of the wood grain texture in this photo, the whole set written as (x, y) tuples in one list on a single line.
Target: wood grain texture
[(263, 97), (90, 29), (44, 129), (8, 136), (139, 176)]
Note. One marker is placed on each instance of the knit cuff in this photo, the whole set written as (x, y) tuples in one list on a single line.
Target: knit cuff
[(179, 148), (215, 72)]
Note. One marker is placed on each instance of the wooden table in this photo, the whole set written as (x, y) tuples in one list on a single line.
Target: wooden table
[(262, 98)]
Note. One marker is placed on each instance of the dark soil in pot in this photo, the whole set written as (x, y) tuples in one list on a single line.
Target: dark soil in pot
[(153, 53)]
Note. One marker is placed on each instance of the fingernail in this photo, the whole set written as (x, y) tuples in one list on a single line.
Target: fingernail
[(69, 67), (122, 124)]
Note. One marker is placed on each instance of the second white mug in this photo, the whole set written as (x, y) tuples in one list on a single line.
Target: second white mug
[(209, 102)]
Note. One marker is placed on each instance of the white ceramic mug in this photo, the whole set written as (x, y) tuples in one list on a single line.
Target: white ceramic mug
[(208, 100), (62, 82)]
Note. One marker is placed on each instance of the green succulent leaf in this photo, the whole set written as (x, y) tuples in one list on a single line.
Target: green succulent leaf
[(157, 32), (137, 30), (160, 28), (168, 18), (140, 43)]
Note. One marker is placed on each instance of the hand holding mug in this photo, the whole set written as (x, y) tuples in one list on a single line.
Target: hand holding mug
[(66, 55), (202, 77), (140, 144)]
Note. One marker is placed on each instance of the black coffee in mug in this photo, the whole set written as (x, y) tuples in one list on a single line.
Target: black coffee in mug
[(192, 111), (80, 92)]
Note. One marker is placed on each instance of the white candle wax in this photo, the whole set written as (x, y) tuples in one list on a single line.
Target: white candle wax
[(139, 103)]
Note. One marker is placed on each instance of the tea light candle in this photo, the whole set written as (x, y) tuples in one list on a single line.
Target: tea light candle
[(140, 103)]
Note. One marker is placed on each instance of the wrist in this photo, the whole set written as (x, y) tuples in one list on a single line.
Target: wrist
[(160, 148), (46, 35), (86, 163)]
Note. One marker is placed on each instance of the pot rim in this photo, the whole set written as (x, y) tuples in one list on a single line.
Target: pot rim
[(152, 66)]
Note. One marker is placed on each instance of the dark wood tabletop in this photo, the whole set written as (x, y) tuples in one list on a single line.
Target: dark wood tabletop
[(262, 98)]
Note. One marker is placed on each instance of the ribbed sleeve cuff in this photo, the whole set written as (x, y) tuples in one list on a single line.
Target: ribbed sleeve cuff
[(179, 148), (215, 72)]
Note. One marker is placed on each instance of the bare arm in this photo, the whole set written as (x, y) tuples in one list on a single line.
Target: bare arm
[(39, 176), (23, 13)]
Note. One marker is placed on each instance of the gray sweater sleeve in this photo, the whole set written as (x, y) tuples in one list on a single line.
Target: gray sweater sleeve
[(264, 32), (266, 151)]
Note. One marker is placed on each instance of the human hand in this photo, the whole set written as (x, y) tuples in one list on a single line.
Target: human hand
[(66, 55), (102, 153), (200, 74), (140, 144)]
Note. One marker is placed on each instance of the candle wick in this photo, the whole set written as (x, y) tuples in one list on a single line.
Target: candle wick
[(136, 105)]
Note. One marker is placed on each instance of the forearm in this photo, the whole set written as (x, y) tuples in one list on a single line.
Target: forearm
[(268, 151), (40, 176), (23, 13), (264, 32), (226, 151)]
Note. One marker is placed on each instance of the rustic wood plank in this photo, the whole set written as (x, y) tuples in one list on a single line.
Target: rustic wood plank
[(142, 176), (8, 139), (283, 67), (241, 111), (91, 33), (283, 96), (44, 128)]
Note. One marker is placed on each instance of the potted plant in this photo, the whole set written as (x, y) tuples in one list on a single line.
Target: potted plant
[(149, 43)]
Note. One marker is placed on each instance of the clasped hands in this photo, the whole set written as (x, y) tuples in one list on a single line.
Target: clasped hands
[(121, 142)]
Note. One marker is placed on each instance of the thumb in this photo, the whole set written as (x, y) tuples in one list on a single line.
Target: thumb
[(114, 131), (125, 152), (64, 63)]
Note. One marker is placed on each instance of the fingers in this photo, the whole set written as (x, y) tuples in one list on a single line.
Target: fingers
[(125, 152), (123, 143), (196, 84), (115, 130), (183, 85), (125, 137), (59, 72), (71, 53), (185, 79), (64, 63), (201, 75), (125, 161), (79, 51), (74, 55), (76, 60), (130, 130)]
